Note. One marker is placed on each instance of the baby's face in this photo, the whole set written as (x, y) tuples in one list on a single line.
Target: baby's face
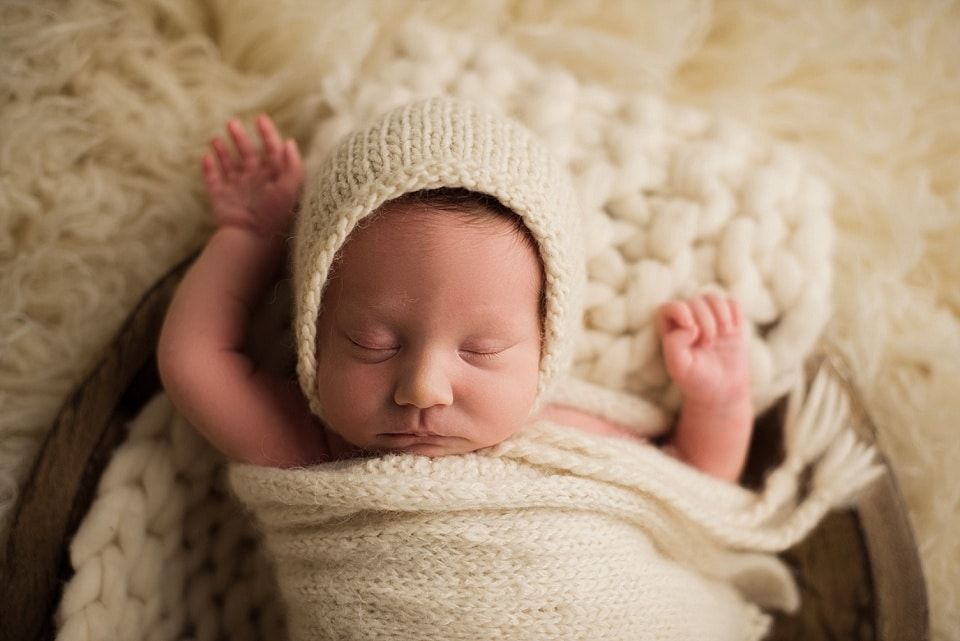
[(429, 334)]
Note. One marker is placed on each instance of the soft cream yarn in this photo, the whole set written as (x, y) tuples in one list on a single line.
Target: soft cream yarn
[(504, 544), (640, 164), (166, 554), (553, 534), (429, 144), (673, 202)]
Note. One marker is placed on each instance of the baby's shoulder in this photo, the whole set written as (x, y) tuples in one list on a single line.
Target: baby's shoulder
[(582, 420)]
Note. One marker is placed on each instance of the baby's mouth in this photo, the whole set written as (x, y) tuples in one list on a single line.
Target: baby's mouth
[(417, 426), (414, 434)]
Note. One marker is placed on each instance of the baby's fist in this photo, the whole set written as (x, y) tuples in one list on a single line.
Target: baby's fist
[(704, 348)]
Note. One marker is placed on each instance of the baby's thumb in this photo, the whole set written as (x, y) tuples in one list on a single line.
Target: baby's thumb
[(677, 350)]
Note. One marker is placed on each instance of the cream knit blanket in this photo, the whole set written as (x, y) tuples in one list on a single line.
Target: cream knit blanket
[(101, 195), (553, 534), (675, 201)]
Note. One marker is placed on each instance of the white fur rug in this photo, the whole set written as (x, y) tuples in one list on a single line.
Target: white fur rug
[(107, 107)]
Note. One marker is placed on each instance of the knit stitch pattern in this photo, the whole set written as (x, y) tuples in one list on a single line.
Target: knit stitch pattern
[(429, 144), (479, 547), (553, 534), (165, 553), (673, 201)]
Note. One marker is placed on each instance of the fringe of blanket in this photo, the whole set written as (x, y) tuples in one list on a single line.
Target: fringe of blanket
[(731, 531), (825, 467), (131, 573)]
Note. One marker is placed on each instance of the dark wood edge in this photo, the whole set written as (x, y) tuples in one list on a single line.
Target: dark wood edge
[(61, 488), (898, 582), (63, 481)]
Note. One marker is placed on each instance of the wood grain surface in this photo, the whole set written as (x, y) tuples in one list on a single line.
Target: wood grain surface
[(61, 486)]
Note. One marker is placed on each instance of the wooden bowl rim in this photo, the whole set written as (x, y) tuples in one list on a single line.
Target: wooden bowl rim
[(62, 485)]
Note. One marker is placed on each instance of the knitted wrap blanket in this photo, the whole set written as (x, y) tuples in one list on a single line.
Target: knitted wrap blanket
[(552, 534), (675, 201)]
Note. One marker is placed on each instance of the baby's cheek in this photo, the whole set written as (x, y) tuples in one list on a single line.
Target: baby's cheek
[(345, 383), (350, 402), (505, 403)]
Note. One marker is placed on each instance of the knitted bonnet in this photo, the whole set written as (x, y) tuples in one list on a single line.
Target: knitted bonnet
[(434, 143)]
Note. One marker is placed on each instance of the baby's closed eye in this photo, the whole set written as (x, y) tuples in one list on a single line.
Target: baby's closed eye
[(371, 348), (481, 354), (491, 346), (373, 338), (373, 345)]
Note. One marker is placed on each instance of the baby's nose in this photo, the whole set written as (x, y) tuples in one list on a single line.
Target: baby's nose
[(424, 384)]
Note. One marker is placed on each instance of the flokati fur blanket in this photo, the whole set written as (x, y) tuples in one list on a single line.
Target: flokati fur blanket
[(674, 202), (98, 205)]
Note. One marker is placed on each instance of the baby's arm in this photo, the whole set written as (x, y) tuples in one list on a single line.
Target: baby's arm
[(249, 415), (706, 356)]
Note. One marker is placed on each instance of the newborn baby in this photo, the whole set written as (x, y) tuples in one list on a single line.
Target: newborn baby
[(436, 270), (434, 323)]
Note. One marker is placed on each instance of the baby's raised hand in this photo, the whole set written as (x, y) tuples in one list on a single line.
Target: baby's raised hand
[(704, 348), (254, 189)]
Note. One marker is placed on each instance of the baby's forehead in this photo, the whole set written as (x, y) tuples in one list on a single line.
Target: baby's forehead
[(449, 207), (420, 225), (435, 250), (487, 314), (442, 265), (386, 308)]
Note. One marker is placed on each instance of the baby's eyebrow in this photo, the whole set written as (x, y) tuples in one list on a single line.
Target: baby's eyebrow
[(379, 309)]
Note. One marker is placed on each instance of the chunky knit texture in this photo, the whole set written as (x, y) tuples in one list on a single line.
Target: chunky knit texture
[(165, 552), (553, 534), (440, 142), (675, 200)]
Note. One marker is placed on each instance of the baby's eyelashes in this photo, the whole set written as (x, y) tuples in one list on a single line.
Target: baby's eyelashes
[(488, 346), (472, 354), (376, 339), (371, 350), (376, 349), (373, 347)]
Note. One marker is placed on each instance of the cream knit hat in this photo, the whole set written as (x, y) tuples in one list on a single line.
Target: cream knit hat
[(431, 144)]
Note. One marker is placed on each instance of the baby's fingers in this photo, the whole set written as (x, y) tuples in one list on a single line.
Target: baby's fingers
[(678, 355), (212, 176), (704, 319), (228, 165), (721, 314), (273, 148), (248, 155), (675, 315), (292, 164)]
